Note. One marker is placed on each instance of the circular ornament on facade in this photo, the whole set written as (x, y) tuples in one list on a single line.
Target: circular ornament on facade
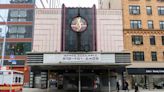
[(79, 24)]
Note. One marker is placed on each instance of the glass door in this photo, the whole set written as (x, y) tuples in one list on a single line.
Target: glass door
[(71, 82)]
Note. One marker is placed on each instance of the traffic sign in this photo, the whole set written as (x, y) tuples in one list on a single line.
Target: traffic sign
[(13, 62), (12, 59)]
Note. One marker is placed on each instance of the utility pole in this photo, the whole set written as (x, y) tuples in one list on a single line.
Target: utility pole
[(4, 41)]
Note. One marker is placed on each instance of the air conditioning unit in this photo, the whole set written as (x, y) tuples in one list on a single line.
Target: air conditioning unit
[(137, 42), (135, 12)]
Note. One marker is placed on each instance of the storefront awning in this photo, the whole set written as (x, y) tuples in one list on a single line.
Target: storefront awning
[(146, 68), (146, 65), (85, 58)]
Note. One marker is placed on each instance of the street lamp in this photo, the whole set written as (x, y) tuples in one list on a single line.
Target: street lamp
[(3, 48), (4, 42)]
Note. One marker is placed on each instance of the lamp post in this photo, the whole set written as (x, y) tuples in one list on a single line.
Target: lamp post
[(3, 48), (4, 42)]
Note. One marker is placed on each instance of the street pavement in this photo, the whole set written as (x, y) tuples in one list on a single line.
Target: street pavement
[(46, 90)]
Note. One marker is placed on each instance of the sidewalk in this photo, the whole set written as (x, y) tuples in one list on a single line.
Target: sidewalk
[(46, 90), (143, 90), (155, 90)]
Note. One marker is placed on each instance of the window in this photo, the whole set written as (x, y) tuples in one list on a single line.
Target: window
[(152, 40), (16, 15), (137, 40), (149, 10), (18, 63), (19, 48), (16, 79), (135, 24), (161, 25), (20, 1), (160, 10), (19, 31), (154, 56), (19, 80), (109, 5), (23, 13), (16, 1), (160, 0), (150, 24), (162, 37), (135, 10), (138, 56)]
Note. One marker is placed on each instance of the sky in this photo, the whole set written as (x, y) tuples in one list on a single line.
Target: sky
[(79, 3)]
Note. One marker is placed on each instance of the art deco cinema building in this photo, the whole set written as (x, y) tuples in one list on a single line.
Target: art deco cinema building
[(78, 48)]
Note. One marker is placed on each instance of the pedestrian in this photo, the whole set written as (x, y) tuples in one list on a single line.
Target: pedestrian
[(154, 85), (136, 88), (126, 86), (118, 86)]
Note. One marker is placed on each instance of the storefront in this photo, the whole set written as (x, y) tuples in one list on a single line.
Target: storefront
[(77, 71), (148, 75)]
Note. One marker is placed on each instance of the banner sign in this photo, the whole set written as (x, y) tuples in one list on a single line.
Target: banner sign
[(155, 71), (12, 59), (71, 58), (145, 70)]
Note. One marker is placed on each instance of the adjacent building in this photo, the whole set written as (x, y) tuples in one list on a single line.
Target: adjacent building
[(143, 26), (16, 18), (77, 48), (110, 4), (47, 4)]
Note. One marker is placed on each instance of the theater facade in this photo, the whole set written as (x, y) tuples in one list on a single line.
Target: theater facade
[(77, 49)]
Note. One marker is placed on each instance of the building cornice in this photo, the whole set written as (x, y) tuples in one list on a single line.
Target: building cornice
[(143, 31)]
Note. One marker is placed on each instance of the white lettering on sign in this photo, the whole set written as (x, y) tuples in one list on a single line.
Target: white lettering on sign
[(148, 71), (154, 71), (81, 57)]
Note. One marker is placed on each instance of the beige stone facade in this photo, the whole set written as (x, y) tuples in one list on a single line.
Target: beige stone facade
[(47, 34), (110, 4), (146, 47)]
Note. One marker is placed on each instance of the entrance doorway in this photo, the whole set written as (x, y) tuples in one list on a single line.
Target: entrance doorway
[(89, 79), (71, 82), (86, 80)]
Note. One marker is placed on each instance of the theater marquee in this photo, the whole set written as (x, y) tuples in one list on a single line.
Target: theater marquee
[(78, 58)]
